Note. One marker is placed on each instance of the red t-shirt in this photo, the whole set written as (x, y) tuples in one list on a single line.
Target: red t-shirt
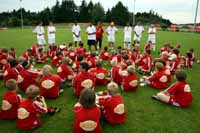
[(64, 71), (83, 80), (104, 55), (10, 73), (27, 78), (87, 120), (159, 80), (130, 83), (10, 103), (99, 33), (113, 109), (28, 114), (100, 75), (180, 92), (56, 61), (115, 75), (50, 86)]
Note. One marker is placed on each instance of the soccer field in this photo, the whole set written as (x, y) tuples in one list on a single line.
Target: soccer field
[(144, 115)]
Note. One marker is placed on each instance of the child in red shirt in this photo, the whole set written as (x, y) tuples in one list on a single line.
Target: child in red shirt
[(30, 108), (92, 60), (113, 105), (10, 101), (149, 45), (187, 60), (40, 57), (130, 82), (65, 72), (50, 84), (104, 55), (87, 113), (56, 61), (80, 49), (11, 72), (158, 79), (83, 79), (115, 72), (145, 62), (174, 61), (3, 57), (12, 53), (28, 76), (27, 54), (76, 64), (179, 94), (100, 73)]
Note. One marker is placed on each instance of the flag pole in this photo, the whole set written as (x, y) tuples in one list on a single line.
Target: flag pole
[(195, 18), (134, 12), (21, 14)]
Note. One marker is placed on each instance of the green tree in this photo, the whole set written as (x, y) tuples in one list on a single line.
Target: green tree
[(98, 13), (120, 14)]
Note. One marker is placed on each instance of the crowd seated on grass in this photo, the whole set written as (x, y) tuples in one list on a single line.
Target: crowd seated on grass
[(83, 71)]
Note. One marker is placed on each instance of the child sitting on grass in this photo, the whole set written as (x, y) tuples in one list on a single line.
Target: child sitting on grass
[(179, 94), (10, 101), (87, 113), (30, 109), (50, 84), (112, 105), (11, 72), (130, 82), (158, 79)]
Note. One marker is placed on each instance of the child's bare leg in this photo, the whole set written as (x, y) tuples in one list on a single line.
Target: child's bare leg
[(162, 97)]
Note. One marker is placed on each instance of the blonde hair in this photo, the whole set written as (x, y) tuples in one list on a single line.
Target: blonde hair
[(159, 66), (11, 84), (47, 70), (112, 88), (32, 91), (65, 60), (131, 69)]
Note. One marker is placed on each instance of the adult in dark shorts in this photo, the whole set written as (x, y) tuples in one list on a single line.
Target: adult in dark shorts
[(99, 35), (91, 32)]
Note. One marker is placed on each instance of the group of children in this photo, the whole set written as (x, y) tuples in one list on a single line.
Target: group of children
[(84, 71)]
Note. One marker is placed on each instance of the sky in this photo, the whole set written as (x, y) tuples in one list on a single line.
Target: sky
[(178, 11)]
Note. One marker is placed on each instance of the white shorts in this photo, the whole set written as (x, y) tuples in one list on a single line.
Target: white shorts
[(41, 40), (137, 38), (51, 40), (127, 39), (111, 39), (76, 39), (152, 38)]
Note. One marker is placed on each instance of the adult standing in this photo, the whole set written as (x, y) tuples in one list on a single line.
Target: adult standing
[(111, 30), (99, 35), (91, 32), (152, 36), (127, 36), (76, 30), (39, 31), (138, 29), (51, 34)]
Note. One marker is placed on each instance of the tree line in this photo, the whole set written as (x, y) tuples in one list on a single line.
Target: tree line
[(67, 11)]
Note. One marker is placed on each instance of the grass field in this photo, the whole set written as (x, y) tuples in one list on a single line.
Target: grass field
[(144, 115)]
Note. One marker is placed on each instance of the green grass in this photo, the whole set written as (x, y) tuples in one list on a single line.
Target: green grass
[(143, 113)]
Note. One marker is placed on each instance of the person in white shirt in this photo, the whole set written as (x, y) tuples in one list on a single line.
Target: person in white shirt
[(51, 34), (111, 30), (91, 32), (76, 30), (39, 31), (152, 36), (127, 36), (138, 32)]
